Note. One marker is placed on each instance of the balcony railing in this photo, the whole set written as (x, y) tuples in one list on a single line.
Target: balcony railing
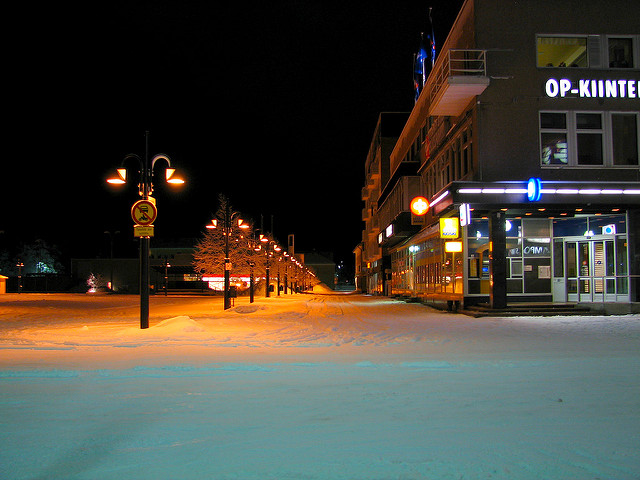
[(458, 76), (398, 199)]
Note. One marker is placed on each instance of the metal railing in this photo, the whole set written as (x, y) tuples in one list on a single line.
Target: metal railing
[(456, 62)]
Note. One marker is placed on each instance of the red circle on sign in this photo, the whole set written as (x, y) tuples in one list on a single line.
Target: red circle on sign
[(419, 206), (144, 212)]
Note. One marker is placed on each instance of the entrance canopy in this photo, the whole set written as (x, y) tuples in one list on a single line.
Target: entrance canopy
[(538, 197)]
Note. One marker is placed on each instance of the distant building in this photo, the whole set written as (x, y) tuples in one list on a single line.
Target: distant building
[(322, 265), (171, 268), (118, 274), (170, 265), (525, 143), (373, 268)]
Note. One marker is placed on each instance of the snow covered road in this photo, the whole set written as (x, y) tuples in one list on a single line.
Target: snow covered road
[(312, 387)]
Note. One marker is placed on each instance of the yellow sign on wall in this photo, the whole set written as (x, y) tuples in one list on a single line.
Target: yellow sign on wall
[(449, 227)]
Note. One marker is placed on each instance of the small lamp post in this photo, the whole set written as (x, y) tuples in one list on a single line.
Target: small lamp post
[(19, 265), (166, 276)]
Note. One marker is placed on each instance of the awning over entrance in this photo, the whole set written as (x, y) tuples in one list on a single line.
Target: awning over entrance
[(536, 195)]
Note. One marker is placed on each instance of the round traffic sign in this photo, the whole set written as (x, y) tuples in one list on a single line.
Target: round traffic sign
[(144, 212)]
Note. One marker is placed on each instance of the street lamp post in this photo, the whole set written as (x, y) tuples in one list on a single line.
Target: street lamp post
[(270, 246), (286, 272), (227, 260), (267, 242), (145, 189), (252, 264), (166, 276), (227, 219), (19, 265)]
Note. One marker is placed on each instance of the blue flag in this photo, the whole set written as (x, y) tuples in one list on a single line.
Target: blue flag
[(419, 68)]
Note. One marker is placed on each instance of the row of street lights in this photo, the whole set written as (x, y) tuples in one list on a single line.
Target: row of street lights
[(229, 221)]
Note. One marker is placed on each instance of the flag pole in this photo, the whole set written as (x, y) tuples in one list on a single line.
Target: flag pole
[(433, 40)]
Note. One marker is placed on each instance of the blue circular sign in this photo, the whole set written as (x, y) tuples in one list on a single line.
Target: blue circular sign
[(534, 189)]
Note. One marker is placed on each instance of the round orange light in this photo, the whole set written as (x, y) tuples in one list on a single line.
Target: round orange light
[(419, 206)]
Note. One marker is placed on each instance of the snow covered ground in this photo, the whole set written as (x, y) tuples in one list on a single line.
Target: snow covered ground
[(312, 387)]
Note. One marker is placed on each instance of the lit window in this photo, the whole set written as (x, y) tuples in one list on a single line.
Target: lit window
[(553, 138), (585, 139), (562, 51)]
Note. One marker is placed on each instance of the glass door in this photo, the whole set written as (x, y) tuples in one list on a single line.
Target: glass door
[(571, 270), (585, 270), (590, 269)]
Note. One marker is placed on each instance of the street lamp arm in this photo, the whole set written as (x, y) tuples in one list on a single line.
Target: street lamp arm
[(160, 156), (133, 155)]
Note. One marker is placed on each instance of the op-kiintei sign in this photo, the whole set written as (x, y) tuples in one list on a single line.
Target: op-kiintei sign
[(590, 88)]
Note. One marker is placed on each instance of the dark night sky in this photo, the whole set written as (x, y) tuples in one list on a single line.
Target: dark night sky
[(272, 103)]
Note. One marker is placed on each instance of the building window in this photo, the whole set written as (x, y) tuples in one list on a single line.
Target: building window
[(589, 139), (624, 131), (620, 52), (553, 138), (587, 51), (562, 51)]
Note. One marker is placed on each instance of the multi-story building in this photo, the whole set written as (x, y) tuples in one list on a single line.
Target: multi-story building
[(370, 263), (525, 145)]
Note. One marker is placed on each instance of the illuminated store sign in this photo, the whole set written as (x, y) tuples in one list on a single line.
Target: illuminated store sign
[(389, 231), (449, 227), (419, 206), (534, 189), (465, 214), (592, 88), (452, 247)]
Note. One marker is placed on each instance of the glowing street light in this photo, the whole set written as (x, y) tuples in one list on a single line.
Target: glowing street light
[(121, 179), (169, 172), (145, 189)]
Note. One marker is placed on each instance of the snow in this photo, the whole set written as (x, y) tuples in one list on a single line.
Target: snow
[(312, 387)]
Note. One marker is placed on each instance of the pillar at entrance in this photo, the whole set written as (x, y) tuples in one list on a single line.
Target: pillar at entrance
[(633, 236), (498, 264)]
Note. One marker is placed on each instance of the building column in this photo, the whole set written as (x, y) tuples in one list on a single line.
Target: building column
[(498, 264), (633, 246), (385, 271)]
